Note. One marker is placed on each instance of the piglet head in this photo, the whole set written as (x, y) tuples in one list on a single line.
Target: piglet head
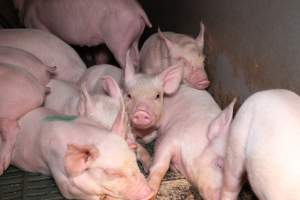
[(190, 52), (210, 164), (107, 167), (144, 94)]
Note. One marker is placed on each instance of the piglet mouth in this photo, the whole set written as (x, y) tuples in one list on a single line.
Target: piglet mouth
[(202, 84), (197, 83), (197, 79), (142, 126)]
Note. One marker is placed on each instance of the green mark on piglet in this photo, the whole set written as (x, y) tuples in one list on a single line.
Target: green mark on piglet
[(66, 118)]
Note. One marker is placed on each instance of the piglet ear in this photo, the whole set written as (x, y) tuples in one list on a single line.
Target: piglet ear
[(220, 125), (129, 68), (111, 87), (79, 157), (173, 48), (171, 78), (120, 125), (86, 104), (200, 38)]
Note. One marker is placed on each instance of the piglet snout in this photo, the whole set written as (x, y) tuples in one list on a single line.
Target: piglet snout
[(142, 119), (202, 84), (198, 79)]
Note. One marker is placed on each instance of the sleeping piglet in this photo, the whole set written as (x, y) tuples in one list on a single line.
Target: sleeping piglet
[(264, 142), (103, 107), (87, 161)]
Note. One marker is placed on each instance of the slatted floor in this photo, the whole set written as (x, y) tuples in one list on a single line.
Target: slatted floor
[(18, 185)]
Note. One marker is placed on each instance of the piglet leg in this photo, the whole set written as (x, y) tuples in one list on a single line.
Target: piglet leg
[(233, 173), (8, 129), (159, 168), (144, 157)]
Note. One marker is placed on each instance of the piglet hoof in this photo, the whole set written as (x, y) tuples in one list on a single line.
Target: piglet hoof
[(147, 165), (153, 198), (174, 169), (146, 169), (52, 71), (8, 132), (4, 161), (47, 90)]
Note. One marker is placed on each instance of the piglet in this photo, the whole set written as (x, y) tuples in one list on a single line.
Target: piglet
[(92, 77), (27, 61), (97, 82), (20, 93), (144, 96), (67, 98), (106, 106), (87, 161), (191, 138), (167, 48), (264, 141), (48, 48), (117, 23)]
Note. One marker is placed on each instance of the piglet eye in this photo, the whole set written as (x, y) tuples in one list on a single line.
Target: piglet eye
[(129, 96), (113, 173), (157, 96), (219, 163)]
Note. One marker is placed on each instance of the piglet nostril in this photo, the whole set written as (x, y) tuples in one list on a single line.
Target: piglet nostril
[(141, 118)]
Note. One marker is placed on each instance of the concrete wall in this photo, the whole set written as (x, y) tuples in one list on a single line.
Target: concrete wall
[(251, 45)]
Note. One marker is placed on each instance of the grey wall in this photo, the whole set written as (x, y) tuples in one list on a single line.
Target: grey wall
[(251, 45)]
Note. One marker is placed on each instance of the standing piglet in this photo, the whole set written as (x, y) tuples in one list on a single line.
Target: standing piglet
[(164, 49), (192, 137), (117, 23), (265, 142), (144, 96), (27, 61), (20, 93), (87, 161), (48, 48)]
